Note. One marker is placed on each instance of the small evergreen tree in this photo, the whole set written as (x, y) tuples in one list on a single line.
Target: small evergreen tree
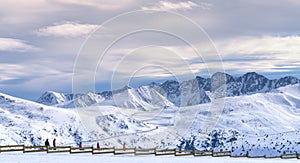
[(187, 144)]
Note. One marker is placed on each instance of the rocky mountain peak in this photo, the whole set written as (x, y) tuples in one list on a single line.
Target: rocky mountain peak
[(186, 93)]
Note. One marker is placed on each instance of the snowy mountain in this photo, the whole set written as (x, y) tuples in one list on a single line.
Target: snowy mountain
[(252, 82), (260, 116), (271, 117), (52, 98), (169, 93), (143, 98)]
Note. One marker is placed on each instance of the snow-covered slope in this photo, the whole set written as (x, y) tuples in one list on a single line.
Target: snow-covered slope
[(261, 113), (143, 98), (27, 122), (262, 123), (30, 123), (271, 117)]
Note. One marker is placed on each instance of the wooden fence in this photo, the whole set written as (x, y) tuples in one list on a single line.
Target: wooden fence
[(11, 148), (59, 149), (31, 149), (134, 151), (149, 151), (103, 150)]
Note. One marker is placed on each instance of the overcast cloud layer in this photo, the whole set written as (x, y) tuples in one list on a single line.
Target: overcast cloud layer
[(40, 41)]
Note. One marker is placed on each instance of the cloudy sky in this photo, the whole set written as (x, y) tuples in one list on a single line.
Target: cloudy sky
[(42, 40)]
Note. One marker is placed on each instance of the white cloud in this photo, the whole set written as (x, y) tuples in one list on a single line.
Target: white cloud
[(171, 6), (28, 71), (247, 66), (36, 11), (261, 47), (9, 44), (10, 71), (68, 29), (26, 12), (242, 54), (261, 54), (103, 5)]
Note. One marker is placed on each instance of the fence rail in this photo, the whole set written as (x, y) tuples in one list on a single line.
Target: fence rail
[(135, 151), (184, 152), (221, 154), (75, 150), (59, 149), (289, 156), (122, 151), (103, 150), (203, 153), (149, 151), (31, 149), (11, 148), (164, 152)]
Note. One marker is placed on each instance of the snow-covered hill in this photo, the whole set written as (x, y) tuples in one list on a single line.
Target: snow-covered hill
[(26, 122), (262, 123), (273, 117)]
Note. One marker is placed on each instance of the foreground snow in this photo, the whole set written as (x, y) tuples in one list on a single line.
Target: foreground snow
[(63, 158)]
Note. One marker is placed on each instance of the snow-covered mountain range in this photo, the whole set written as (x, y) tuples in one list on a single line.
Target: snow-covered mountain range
[(150, 116), (169, 93)]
